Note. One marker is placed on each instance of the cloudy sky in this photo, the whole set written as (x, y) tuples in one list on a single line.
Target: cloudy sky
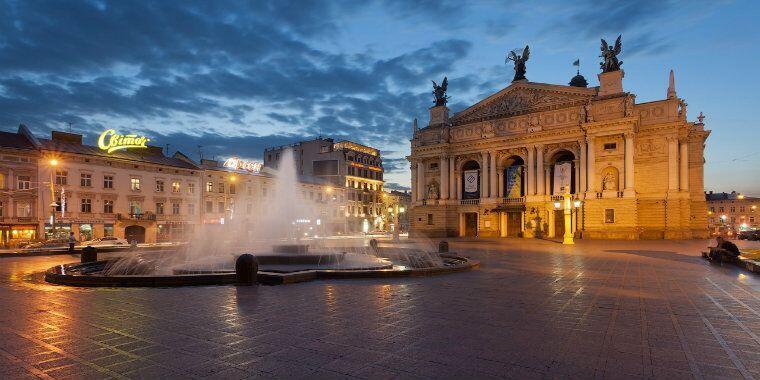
[(237, 76)]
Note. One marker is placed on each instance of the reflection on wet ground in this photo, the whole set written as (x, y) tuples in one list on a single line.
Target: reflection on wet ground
[(534, 309)]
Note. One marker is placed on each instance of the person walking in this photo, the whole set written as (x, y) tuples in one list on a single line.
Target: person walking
[(72, 241)]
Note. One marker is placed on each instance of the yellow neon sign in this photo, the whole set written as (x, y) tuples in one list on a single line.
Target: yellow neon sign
[(111, 141)]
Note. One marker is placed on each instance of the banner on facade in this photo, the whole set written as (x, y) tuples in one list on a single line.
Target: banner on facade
[(513, 182), (471, 184), (562, 177)]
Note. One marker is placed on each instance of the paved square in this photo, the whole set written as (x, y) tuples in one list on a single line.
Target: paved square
[(535, 309)]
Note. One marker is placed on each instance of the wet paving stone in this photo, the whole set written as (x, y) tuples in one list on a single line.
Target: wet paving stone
[(533, 310)]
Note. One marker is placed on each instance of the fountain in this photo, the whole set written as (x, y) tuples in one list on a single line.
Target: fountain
[(275, 242)]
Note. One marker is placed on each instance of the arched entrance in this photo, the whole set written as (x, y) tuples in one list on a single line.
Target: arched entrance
[(135, 233), (562, 166)]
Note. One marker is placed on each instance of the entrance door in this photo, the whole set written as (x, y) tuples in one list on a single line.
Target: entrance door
[(559, 223), (513, 224), (135, 233), (471, 224)]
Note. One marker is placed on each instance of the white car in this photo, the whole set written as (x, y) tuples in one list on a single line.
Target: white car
[(105, 242)]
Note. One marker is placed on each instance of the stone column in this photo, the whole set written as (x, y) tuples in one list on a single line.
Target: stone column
[(577, 176), (500, 178), (414, 183), (540, 170), (492, 180), (531, 171), (672, 164), (546, 176), (459, 185), (420, 180), (591, 164), (629, 161), (484, 175), (452, 178), (583, 169), (444, 168), (684, 169)]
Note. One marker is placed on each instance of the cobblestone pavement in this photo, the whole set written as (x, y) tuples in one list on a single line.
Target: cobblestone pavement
[(535, 309)]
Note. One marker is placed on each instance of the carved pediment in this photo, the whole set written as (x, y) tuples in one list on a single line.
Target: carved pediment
[(521, 99)]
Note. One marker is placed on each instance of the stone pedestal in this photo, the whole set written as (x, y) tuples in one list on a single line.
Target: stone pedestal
[(611, 83), (439, 115)]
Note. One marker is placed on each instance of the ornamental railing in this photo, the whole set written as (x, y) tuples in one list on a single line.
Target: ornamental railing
[(513, 200), (469, 202)]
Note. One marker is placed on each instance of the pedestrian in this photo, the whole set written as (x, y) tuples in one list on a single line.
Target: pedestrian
[(724, 250), (72, 241)]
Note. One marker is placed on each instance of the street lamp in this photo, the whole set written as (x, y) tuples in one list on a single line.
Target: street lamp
[(569, 206), (53, 205)]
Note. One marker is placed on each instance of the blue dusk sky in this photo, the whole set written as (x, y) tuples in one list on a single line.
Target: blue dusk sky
[(237, 76)]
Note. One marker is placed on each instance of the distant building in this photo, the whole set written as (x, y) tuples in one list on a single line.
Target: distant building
[(730, 213), (19, 213), (396, 201), (354, 167)]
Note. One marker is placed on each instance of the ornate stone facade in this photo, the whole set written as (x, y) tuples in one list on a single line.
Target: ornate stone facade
[(497, 168)]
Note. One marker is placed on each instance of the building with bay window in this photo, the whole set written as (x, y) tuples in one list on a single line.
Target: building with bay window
[(500, 167)]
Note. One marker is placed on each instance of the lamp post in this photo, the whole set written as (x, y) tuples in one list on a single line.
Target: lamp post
[(568, 205), (53, 205), (395, 210)]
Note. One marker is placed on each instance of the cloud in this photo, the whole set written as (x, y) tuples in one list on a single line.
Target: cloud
[(396, 186)]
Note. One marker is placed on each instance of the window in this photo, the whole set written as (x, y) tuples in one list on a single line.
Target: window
[(720, 209), (712, 209), (108, 182), (191, 188), (159, 186), (24, 182), (733, 209), (108, 230), (249, 188), (751, 219), (86, 205), (209, 187), (108, 207), (60, 177), (175, 208), (135, 208), (232, 188), (85, 180), (220, 207), (160, 208), (2, 209), (61, 205), (742, 209), (209, 207), (175, 187), (433, 166), (430, 219), (264, 191), (135, 184), (23, 209), (609, 215), (610, 146), (191, 209), (221, 187)]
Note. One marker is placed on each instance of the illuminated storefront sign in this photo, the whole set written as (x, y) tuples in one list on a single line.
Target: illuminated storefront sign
[(111, 141), (238, 164)]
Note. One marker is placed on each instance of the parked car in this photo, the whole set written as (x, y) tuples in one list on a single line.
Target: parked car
[(106, 241), (47, 244)]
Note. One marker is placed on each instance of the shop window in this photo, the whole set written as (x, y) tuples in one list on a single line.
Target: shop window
[(61, 177), (191, 209), (2, 181), (175, 208), (108, 230), (108, 206), (108, 182), (191, 188), (159, 208), (209, 207), (86, 205), (135, 184), (85, 180), (175, 187), (159, 186), (85, 232), (609, 215), (610, 146), (24, 182)]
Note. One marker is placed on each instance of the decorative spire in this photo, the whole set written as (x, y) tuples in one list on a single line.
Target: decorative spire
[(701, 118), (672, 85)]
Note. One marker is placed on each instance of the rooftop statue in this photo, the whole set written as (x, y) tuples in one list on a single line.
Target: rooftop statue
[(440, 92), (609, 54), (519, 61)]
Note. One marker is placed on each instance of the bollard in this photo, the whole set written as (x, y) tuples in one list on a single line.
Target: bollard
[(443, 247), (246, 267), (89, 254)]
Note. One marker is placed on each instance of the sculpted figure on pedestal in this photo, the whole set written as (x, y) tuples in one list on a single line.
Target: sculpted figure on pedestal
[(609, 54), (440, 92), (519, 61), (433, 191)]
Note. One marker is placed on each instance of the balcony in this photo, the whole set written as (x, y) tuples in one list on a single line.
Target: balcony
[(513, 201), (469, 202)]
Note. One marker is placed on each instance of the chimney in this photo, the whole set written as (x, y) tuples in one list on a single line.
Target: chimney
[(672, 85)]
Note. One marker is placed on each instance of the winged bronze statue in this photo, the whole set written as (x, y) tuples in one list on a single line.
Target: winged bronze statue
[(609, 54), (519, 61), (440, 92)]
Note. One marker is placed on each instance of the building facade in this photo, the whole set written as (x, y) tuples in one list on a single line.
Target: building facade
[(356, 168), (730, 213), (500, 167), (18, 188)]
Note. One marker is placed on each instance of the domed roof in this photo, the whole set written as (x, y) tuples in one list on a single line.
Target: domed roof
[(578, 81)]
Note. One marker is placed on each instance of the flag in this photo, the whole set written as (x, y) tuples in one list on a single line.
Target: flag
[(577, 63)]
